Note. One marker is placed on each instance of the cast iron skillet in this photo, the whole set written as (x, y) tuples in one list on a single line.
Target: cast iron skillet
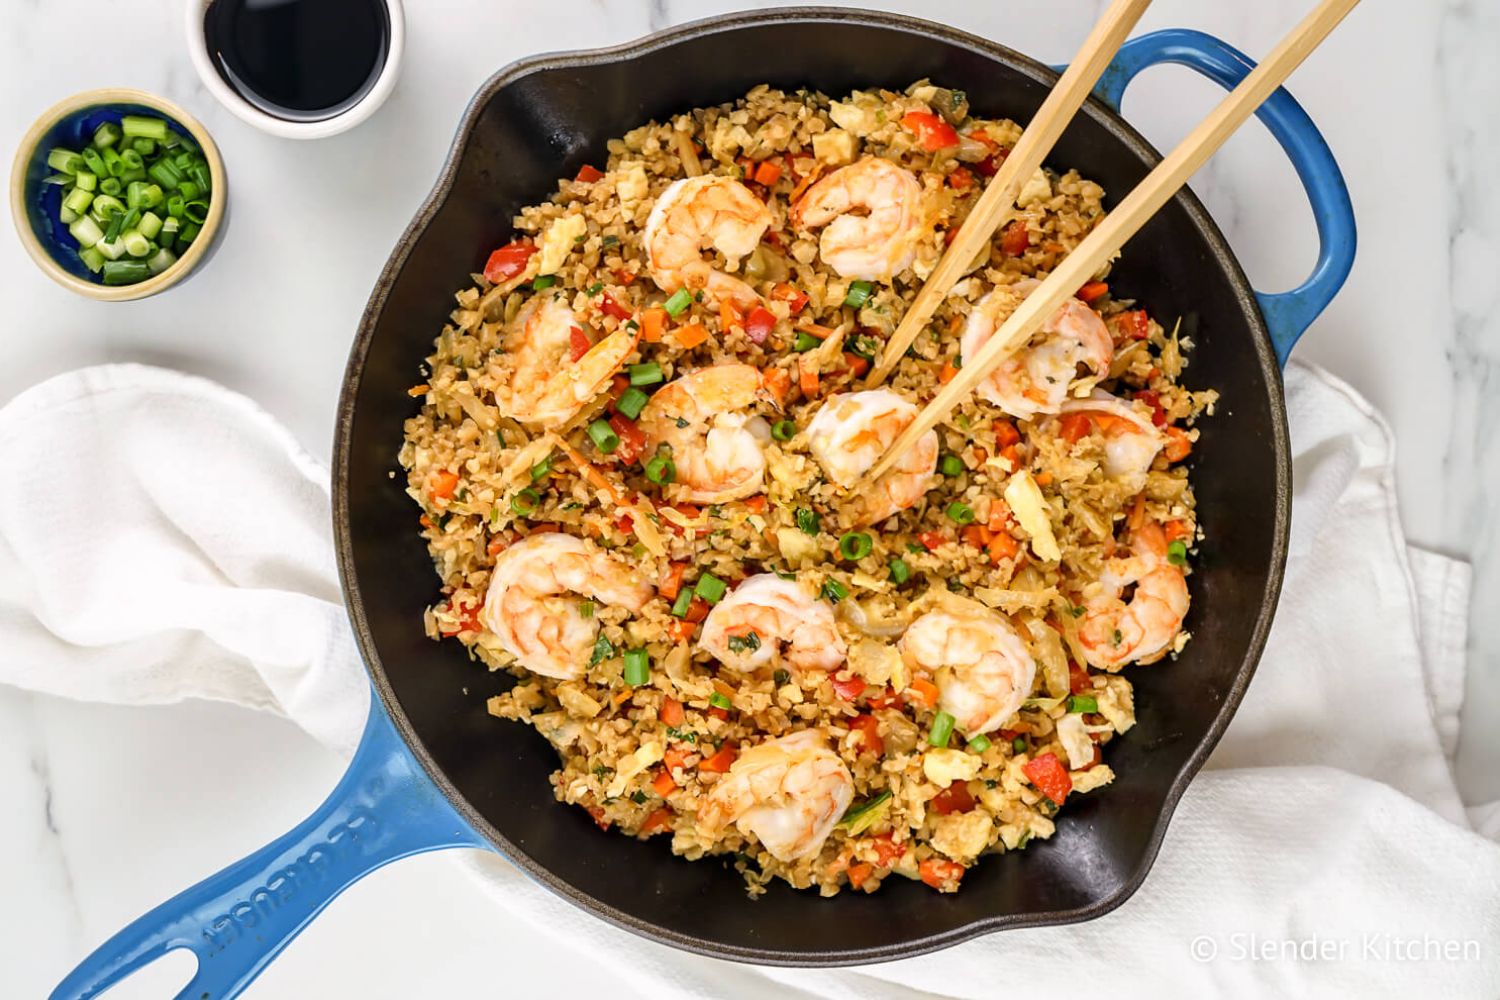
[(435, 770)]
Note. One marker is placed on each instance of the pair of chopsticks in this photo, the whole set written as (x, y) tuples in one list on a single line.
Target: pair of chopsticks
[(997, 203)]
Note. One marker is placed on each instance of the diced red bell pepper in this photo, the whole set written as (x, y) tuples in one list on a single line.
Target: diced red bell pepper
[(960, 179), (697, 611), (848, 688), (953, 799), (1133, 324), (793, 296), (1049, 776), (578, 343), (509, 261), (610, 307), (888, 698), (1078, 679), (1093, 291), (931, 131), (941, 874), (759, 324), (1153, 400), (1074, 427), (931, 540), (1014, 239), (588, 174), (886, 849), (632, 438), (868, 728), (659, 819)]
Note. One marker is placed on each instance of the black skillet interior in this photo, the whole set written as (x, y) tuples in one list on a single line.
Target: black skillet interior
[(540, 121)]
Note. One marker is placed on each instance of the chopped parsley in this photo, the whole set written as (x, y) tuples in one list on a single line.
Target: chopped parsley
[(685, 735), (603, 650), (808, 521), (741, 643), (781, 677)]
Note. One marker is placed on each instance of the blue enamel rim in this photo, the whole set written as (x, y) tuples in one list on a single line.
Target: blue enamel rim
[(388, 807)]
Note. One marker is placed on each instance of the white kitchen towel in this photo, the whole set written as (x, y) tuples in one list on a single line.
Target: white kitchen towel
[(178, 546)]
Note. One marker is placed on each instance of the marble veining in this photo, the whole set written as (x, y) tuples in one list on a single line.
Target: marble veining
[(109, 810)]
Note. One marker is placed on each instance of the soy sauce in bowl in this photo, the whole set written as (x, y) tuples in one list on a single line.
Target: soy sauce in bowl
[(299, 60)]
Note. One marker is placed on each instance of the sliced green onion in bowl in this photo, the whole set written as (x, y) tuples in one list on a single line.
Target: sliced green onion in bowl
[(125, 272), (132, 126)]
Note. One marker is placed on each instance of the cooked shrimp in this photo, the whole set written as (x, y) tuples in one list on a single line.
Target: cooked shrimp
[(852, 430), (767, 618), (698, 213), (1037, 378), (788, 793), (872, 211), (982, 667), (1114, 632), (1131, 441), (540, 383), (718, 446), (532, 605)]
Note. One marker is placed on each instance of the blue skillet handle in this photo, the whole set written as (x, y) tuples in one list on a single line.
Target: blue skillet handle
[(384, 808), (1288, 314)]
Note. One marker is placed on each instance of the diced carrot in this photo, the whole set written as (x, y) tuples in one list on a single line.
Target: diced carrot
[(856, 364), (778, 383), (691, 336), (587, 174), (948, 373), (999, 516), (659, 819), (578, 342), (674, 758), (768, 172), (541, 528), (757, 503), (859, 872), (886, 849), (680, 631), (976, 535), (941, 874), (419, 390), (1006, 433), (593, 475), (926, 691), (1014, 239), (1178, 446), (1074, 427), (1137, 514), (671, 581), (720, 761), (1012, 454), (653, 322), (1093, 290), (496, 546), (442, 484), (960, 179), (623, 275), (1043, 478), (671, 713), (632, 438), (425, 522), (868, 728), (931, 540), (730, 315), (1175, 529), (807, 378), (954, 798), (663, 784), (1002, 546)]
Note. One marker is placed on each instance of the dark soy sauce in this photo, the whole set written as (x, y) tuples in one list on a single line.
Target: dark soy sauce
[(299, 60)]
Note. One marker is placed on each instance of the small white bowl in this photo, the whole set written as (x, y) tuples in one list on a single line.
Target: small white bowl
[(247, 112)]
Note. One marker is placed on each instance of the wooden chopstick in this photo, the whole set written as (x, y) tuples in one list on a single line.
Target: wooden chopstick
[(998, 202), (1128, 217)]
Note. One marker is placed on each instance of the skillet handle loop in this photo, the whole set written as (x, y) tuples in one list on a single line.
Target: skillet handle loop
[(384, 808), (1288, 314)]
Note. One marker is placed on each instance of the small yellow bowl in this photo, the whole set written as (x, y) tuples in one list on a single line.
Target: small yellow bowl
[(71, 123)]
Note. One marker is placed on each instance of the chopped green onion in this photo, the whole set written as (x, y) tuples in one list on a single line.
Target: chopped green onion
[(834, 590), (92, 259), (164, 174), (59, 180), (603, 436), (112, 231), (859, 294), (65, 160), (139, 125), (805, 342), (595, 289), (135, 244), (176, 206), (900, 572), (1082, 703), (104, 206), (189, 191), (144, 146), (660, 469), (980, 743), (710, 588), (855, 545), (718, 700), (540, 469), (85, 181), (95, 163), (135, 194), (960, 512), (942, 729), (189, 233), (112, 161), (125, 272), (538, 284), (609, 241), (678, 303), (951, 465), (637, 667), (111, 186), (112, 249), (106, 135), (684, 598), (1018, 745), (784, 430), (150, 225), (77, 201), (196, 211), (646, 373), (525, 501), (161, 260), (603, 650), (781, 677), (131, 159), (808, 521), (631, 402), (1177, 553)]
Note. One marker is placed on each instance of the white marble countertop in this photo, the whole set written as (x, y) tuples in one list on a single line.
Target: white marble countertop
[(112, 810)]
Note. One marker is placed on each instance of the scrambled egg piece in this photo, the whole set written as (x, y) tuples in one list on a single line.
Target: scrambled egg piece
[(557, 242), (1026, 502), (633, 764), (632, 186), (945, 766), (834, 147), (1038, 188), (963, 835)]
